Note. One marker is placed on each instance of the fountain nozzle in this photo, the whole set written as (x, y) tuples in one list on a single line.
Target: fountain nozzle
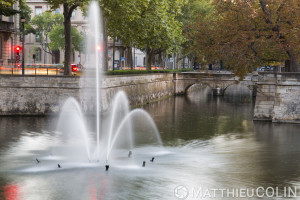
[(58, 165), (144, 163), (129, 154), (106, 167), (37, 160), (152, 159)]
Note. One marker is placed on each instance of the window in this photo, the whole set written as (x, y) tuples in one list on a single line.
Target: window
[(38, 10), (38, 55), (56, 11), (37, 37), (73, 15), (10, 48)]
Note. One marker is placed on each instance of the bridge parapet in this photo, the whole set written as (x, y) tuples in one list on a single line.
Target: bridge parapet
[(278, 97), (217, 81)]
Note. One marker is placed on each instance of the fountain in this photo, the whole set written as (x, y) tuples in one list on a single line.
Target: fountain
[(117, 132)]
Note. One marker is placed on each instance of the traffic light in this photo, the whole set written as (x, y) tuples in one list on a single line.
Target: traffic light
[(99, 48), (18, 48)]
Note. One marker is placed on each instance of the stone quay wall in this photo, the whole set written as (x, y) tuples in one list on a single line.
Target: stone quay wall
[(278, 97), (40, 95)]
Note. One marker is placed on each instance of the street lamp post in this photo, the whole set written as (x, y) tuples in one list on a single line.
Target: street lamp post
[(23, 49)]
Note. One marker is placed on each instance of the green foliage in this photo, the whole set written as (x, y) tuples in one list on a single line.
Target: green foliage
[(44, 25), (57, 38), (45, 22), (68, 7), (145, 24), (26, 13), (6, 8), (77, 3), (246, 34), (49, 25), (193, 11)]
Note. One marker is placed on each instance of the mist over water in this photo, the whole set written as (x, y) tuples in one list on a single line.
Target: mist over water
[(209, 142)]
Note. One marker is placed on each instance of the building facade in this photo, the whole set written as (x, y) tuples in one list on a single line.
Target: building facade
[(9, 38), (33, 45)]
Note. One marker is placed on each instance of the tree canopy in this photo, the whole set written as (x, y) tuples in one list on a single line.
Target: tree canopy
[(242, 34), (49, 25), (69, 7), (57, 38), (149, 25), (246, 34), (6, 8)]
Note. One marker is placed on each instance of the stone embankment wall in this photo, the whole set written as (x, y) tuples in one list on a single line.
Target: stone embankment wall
[(278, 97), (39, 95)]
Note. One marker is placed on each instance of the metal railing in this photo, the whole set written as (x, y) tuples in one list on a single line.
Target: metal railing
[(33, 69)]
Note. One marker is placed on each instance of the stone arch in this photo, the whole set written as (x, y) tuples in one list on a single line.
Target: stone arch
[(196, 83), (250, 87)]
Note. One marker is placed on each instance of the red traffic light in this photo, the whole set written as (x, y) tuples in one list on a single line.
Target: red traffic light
[(18, 48)]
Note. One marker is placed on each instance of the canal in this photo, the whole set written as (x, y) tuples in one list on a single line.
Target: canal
[(212, 150)]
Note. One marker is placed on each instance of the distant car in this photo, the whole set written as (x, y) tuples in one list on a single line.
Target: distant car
[(74, 67), (77, 69), (197, 66), (266, 68)]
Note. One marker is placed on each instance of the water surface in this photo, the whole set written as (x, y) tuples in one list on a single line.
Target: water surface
[(209, 142)]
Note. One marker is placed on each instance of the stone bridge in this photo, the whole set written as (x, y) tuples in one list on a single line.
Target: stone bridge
[(219, 82), (278, 97)]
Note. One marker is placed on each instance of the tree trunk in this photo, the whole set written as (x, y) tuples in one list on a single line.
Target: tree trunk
[(130, 58), (192, 61), (68, 40), (287, 65), (293, 62), (162, 60), (221, 65), (113, 58), (105, 49), (149, 58)]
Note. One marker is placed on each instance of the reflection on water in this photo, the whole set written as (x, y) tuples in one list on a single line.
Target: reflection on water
[(210, 142)]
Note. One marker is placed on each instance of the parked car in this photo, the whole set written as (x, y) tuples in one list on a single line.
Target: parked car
[(266, 68)]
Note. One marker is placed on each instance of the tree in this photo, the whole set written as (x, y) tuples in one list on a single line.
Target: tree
[(68, 6), (193, 10), (25, 12), (6, 8), (149, 25), (44, 25), (246, 34), (57, 38)]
